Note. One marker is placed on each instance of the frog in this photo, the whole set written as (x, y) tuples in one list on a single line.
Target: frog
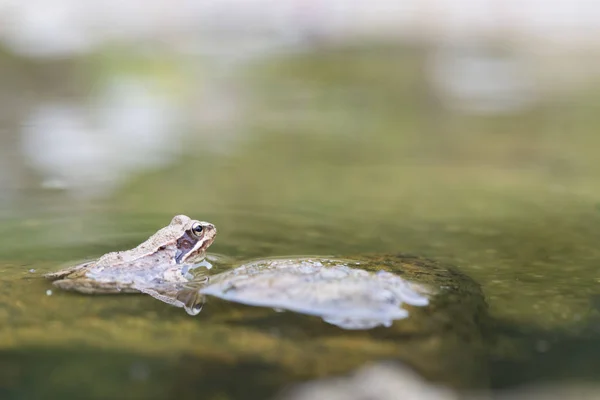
[(162, 266)]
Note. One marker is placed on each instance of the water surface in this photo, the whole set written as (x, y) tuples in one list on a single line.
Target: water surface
[(329, 153)]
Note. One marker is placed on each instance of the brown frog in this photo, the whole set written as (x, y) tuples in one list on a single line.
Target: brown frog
[(160, 266)]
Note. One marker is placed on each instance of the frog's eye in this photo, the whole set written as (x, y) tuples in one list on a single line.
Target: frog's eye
[(197, 229)]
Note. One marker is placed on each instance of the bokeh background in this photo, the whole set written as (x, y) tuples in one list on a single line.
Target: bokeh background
[(465, 131)]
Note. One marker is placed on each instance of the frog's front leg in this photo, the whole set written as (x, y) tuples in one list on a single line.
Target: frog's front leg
[(187, 268), (176, 274), (204, 263)]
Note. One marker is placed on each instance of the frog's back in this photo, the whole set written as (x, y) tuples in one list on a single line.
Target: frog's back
[(164, 237)]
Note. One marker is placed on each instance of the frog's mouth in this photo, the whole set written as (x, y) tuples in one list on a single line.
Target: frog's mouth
[(185, 251), (183, 256)]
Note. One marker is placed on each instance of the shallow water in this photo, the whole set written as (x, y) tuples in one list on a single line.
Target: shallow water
[(311, 169)]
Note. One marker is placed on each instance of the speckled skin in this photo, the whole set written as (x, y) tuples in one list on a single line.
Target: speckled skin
[(158, 261)]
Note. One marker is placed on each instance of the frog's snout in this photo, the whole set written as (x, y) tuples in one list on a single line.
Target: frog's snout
[(210, 228)]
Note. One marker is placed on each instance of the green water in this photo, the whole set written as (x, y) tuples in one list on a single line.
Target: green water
[(512, 201)]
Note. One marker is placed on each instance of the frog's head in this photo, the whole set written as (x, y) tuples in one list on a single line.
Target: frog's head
[(195, 237)]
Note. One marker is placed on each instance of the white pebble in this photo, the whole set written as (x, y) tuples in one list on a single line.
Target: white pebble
[(48, 292)]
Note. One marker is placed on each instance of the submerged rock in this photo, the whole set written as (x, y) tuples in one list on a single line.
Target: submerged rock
[(433, 317), (337, 290)]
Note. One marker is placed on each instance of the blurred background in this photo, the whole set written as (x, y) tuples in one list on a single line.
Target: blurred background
[(465, 131)]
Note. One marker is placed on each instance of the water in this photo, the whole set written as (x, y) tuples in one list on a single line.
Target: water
[(328, 152)]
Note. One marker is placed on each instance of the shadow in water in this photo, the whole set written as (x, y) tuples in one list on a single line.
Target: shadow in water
[(59, 373), (546, 357)]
